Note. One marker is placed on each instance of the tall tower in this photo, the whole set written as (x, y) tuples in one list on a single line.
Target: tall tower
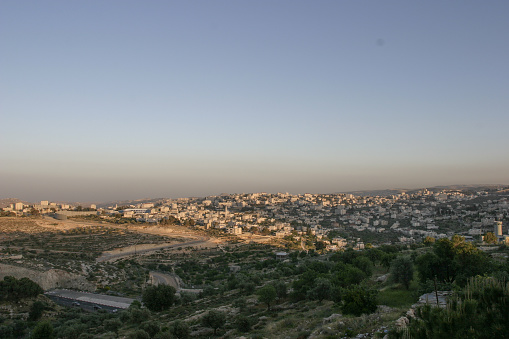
[(498, 228)]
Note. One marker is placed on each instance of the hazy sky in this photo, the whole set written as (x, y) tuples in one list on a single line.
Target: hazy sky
[(103, 100)]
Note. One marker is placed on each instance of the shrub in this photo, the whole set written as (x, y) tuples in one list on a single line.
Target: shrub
[(139, 334), (214, 319), (359, 300), (151, 327), (321, 291), (181, 330), (36, 310), (243, 324), (43, 330)]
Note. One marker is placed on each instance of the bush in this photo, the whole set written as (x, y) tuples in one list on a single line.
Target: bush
[(151, 327), (138, 315), (214, 320), (359, 300), (112, 324), (36, 310), (364, 264), (321, 291), (181, 330), (243, 324), (139, 334), (43, 330)]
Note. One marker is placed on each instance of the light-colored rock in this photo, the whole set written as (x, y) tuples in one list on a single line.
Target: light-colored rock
[(331, 318), (402, 322), (52, 278)]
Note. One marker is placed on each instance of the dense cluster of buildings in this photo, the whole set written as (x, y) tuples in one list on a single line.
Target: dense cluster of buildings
[(408, 217)]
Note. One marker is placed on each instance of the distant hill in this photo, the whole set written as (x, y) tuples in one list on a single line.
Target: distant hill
[(394, 191), (129, 202)]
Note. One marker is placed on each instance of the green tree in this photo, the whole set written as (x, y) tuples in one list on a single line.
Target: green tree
[(402, 271), (151, 327), (359, 300), (12, 289), (159, 298), (214, 319), (428, 241), (138, 315), (490, 238), (322, 290), (320, 246), (281, 290), (43, 330), (139, 334), (181, 330), (364, 264), (481, 310), (242, 323), (112, 324), (267, 294), (36, 311), (347, 275), (452, 260)]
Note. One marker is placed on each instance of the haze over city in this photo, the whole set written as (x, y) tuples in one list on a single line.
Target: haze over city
[(129, 99)]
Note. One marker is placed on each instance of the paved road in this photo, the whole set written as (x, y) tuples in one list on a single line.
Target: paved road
[(84, 305), (109, 257)]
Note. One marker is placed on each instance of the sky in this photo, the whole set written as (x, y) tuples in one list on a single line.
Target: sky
[(119, 99)]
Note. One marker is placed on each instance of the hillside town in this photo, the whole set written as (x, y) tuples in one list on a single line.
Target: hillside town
[(339, 220)]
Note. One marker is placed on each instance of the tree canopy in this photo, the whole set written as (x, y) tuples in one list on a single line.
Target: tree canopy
[(159, 298), (214, 319), (480, 311), (267, 294), (402, 271), (12, 289), (453, 261)]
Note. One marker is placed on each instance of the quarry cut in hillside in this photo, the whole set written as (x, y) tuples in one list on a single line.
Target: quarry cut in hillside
[(50, 279)]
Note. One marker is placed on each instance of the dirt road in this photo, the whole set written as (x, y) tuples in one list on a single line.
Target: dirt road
[(118, 254)]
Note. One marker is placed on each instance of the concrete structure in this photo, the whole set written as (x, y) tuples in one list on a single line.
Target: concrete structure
[(99, 299), (281, 255), (498, 229)]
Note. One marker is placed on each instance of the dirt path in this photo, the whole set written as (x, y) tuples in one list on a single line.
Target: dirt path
[(190, 238), (145, 248)]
